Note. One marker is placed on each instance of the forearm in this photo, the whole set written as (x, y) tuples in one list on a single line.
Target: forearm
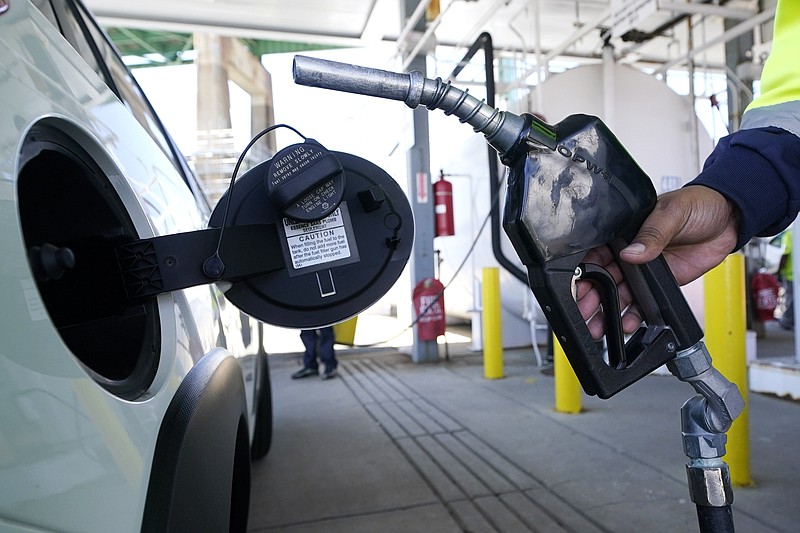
[(758, 167), (758, 170)]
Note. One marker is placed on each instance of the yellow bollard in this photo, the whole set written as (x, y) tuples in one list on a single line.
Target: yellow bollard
[(345, 332), (724, 295), (567, 386), (492, 325)]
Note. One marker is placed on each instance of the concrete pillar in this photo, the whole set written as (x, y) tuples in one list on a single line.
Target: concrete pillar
[(214, 135), (246, 71), (219, 60), (213, 98)]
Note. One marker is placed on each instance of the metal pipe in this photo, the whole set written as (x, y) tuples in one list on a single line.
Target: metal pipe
[(424, 39), (569, 41), (731, 34), (412, 22), (706, 9), (481, 21), (609, 86), (694, 139), (541, 66)]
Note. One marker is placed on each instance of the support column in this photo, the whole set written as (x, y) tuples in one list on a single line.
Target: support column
[(421, 192), (219, 60), (213, 98), (214, 134)]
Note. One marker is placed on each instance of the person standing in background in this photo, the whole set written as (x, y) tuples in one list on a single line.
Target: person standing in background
[(319, 349)]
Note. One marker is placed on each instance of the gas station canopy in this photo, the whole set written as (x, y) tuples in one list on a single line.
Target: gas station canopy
[(652, 32)]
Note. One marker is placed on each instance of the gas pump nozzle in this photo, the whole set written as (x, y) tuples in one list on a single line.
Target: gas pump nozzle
[(571, 187)]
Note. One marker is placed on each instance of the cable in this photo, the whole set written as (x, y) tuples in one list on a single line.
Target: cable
[(213, 267)]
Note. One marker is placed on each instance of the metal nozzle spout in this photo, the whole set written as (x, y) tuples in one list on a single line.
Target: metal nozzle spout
[(349, 78), (502, 129)]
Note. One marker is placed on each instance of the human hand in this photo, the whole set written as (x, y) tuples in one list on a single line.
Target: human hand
[(694, 227)]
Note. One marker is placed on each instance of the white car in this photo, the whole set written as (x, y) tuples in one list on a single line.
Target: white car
[(115, 415)]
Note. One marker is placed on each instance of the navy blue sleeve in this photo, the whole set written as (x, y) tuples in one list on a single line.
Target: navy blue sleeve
[(759, 171)]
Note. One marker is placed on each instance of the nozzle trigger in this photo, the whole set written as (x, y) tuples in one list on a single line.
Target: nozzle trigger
[(609, 298)]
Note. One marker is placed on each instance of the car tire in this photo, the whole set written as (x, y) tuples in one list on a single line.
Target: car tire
[(262, 437)]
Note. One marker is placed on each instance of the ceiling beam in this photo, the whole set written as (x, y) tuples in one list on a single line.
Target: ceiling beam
[(707, 9), (224, 28)]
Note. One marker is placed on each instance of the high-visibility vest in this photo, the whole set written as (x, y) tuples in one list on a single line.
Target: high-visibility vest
[(779, 101)]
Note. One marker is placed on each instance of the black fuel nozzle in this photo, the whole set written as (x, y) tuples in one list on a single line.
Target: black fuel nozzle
[(571, 187)]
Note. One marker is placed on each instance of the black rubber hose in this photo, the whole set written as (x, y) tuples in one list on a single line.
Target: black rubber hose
[(484, 42), (715, 519)]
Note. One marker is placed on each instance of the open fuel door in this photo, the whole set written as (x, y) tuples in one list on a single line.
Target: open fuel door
[(308, 238)]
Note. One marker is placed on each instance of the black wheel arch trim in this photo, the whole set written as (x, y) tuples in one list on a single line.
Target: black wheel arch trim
[(262, 436), (196, 477)]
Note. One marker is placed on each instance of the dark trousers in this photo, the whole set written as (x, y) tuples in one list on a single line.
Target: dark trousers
[(318, 344)]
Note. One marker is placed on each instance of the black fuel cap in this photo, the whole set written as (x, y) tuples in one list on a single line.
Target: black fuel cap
[(335, 265), (305, 181)]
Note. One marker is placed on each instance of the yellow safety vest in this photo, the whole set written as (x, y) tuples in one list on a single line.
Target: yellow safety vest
[(780, 80)]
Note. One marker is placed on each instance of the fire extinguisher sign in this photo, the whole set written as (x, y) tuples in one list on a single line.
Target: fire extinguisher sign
[(322, 243), (422, 187)]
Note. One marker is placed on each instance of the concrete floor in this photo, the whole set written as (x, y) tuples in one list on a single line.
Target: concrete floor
[(391, 446)]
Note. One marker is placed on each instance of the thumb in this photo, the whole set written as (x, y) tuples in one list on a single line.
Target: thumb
[(657, 231)]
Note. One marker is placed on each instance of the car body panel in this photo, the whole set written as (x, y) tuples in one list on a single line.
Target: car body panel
[(65, 441)]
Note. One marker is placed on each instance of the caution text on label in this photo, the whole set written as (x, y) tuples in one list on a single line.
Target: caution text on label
[(315, 243)]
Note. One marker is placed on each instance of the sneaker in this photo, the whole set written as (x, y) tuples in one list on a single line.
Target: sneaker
[(329, 373), (305, 372)]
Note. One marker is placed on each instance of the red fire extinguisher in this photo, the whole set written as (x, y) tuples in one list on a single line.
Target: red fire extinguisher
[(428, 300), (443, 206), (764, 288)]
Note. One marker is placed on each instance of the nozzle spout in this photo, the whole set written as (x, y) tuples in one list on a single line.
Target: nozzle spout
[(501, 128)]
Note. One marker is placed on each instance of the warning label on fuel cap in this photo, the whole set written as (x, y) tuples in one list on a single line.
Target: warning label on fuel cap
[(321, 242)]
